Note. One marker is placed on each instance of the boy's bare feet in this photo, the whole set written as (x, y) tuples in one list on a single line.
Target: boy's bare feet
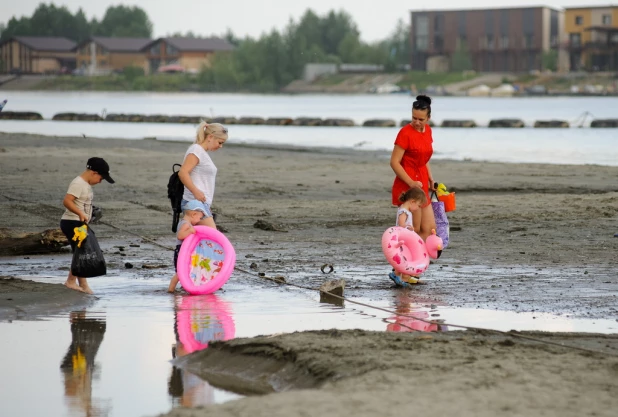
[(83, 284), (87, 289), (173, 284), (73, 286)]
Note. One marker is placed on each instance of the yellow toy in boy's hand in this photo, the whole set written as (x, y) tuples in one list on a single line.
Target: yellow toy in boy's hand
[(81, 233), (441, 190)]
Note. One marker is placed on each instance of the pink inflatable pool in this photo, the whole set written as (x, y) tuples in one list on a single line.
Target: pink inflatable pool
[(201, 319), (206, 261)]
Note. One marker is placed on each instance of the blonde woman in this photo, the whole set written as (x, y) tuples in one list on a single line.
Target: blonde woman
[(198, 172)]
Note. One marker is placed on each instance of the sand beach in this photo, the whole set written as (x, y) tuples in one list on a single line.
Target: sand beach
[(524, 237)]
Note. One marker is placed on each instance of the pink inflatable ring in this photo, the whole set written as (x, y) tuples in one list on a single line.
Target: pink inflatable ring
[(406, 252), (206, 261)]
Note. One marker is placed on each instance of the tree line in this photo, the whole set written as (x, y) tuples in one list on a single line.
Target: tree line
[(275, 59), (266, 63), (50, 20)]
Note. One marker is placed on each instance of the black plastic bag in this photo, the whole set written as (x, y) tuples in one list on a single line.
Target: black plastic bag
[(88, 260)]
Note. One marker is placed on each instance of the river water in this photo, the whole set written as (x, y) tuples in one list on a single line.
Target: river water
[(113, 359), (556, 146)]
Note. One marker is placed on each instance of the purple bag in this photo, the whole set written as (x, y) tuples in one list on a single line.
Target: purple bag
[(442, 226)]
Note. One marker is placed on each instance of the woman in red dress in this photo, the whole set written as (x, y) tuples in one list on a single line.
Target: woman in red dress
[(410, 161)]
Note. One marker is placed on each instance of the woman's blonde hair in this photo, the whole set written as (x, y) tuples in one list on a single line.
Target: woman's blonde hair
[(204, 129)]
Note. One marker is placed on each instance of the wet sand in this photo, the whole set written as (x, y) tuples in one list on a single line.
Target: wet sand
[(26, 300), (525, 237), (359, 373)]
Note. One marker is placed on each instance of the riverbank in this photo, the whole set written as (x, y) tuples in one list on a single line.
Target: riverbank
[(579, 84), (524, 238), (518, 229)]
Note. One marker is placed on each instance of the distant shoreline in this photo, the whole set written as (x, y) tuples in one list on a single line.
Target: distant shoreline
[(552, 85)]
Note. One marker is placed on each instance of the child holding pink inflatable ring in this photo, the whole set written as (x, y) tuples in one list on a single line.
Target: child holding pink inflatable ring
[(410, 200), (194, 211)]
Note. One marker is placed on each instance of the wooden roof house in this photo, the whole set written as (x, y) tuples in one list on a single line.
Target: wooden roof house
[(190, 54), (36, 54)]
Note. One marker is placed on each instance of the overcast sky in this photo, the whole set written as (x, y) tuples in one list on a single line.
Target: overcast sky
[(375, 19)]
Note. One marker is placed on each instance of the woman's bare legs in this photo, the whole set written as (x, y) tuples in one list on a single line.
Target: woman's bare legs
[(427, 221), (208, 221)]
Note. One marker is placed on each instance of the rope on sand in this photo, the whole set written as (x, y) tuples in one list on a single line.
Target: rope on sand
[(279, 281), (511, 333)]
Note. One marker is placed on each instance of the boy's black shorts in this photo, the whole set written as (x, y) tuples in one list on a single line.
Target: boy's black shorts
[(176, 256), (67, 227)]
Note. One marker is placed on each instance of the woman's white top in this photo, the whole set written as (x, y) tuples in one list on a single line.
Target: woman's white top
[(203, 174), (408, 218)]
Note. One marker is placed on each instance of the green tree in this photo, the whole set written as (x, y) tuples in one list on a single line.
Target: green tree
[(231, 38), (221, 75), (124, 21), (550, 60), (2, 29), (461, 60), (349, 48), (16, 27), (49, 20), (310, 28), (275, 59), (274, 48), (132, 72), (398, 44), (189, 34), (82, 26), (335, 27)]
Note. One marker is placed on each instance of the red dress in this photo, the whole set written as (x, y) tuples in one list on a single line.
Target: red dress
[(418, 150)]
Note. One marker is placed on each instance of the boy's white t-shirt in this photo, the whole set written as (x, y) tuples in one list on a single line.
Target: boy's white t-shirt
[(83, 198), (203, 174)]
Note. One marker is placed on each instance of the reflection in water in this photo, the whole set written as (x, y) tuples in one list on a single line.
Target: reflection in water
[(408, 305), (198, 320), (78, 367)]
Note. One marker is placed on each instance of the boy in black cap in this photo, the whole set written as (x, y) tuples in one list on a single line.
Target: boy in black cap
[(78, 203)]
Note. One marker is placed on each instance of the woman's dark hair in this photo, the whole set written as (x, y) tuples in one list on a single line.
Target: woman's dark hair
[(422, 102), (416, 194)]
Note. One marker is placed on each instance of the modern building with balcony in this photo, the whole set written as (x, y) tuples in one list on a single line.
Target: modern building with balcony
[(488, 40), (592, 38)]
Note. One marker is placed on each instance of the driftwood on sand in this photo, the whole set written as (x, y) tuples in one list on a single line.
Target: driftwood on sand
[(14, 243)]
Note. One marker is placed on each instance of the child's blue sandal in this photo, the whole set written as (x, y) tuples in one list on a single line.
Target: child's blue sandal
[(396, 280)]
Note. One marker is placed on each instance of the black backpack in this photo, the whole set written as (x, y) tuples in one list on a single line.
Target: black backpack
[(175, 190)]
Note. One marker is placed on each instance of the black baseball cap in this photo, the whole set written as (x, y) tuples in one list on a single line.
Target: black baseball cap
[(101, 167)]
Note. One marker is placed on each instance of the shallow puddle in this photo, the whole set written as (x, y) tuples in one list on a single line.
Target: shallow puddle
[(114, 358)]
